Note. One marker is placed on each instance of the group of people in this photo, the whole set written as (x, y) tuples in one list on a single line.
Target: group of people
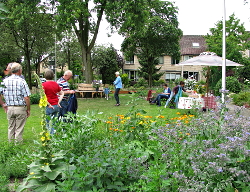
[(175, 94), (16, 98)]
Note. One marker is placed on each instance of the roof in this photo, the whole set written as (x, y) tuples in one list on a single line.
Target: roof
[(192, 44)]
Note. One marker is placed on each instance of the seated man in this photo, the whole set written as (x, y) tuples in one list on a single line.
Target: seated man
[(165, 94), (177, 93)]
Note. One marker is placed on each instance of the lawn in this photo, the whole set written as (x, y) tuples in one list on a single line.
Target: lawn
[(102, 107)]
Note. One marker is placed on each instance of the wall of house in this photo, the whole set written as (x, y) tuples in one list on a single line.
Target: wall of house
[(170, 70)]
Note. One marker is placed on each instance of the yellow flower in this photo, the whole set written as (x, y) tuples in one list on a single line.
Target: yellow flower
[(46, 163), (110, 122), (32, 173), (128, 118), (110, 117), (43, 101), (187, 133), (132, 127), (116, 129), (123, 122), (160, 116), (43, 138), (141, 122), (178, 113), (47, 134)]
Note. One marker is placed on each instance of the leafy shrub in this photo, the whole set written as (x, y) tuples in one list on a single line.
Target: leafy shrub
[(13, 161), (34, 98), (4, 184), (241, 98), (232, 84), (125, 79), (141, 82), (160, 82)]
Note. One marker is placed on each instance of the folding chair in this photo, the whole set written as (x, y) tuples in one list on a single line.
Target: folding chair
[(150, 96)]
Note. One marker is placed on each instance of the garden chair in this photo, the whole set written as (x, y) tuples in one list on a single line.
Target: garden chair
[(150, 96)]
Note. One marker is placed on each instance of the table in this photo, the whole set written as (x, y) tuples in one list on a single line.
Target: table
[(190, 103), (210, 102)]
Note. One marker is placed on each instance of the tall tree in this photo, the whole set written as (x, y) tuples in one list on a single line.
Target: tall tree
[(30, 26), (106, 61), (237, 43), (85, 17), (160, 36)]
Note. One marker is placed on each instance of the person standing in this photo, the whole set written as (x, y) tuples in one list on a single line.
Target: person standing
[(17, 97), (63, 83), (165, 94), (118, 86), (52, 90)]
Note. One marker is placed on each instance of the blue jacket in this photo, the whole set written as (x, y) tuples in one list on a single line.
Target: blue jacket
[(118, 82)]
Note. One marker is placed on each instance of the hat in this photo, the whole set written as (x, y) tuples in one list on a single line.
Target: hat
[(117, 73)]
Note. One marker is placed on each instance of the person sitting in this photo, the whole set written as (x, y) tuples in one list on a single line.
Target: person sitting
[(177, 93), (165, 94)]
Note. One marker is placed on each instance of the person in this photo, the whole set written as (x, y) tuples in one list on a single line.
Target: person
[(118, 86), (52, 90), (7, 71), (63, 83), (3, 104), (177, 93), (17, 97), (165, 94), (106, 92)]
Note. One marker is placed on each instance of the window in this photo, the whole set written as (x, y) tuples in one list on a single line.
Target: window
[(174, 61), (186, 57), (161, 60), (132, 75), (196, 45), (172, 76), (130, 61)]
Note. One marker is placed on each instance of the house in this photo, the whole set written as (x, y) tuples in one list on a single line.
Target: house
[(190, 46)]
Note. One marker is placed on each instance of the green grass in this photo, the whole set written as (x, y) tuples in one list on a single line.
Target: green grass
[(103, 108)]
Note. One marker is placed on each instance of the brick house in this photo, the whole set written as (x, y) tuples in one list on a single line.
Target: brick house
[(190, 46)]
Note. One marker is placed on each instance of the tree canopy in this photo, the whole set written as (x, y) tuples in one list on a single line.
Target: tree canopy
[(106, 61), (160, 36), (237, 43), (126, 16), (31, 29)]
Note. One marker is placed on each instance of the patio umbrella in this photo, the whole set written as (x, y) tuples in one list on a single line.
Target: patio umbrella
[(208, 59)]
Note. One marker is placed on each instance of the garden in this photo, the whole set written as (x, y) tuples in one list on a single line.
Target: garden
[(136, 147)]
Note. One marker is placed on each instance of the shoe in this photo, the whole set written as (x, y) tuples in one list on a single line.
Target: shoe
[(165, 106), (152, 103), (118, 104)]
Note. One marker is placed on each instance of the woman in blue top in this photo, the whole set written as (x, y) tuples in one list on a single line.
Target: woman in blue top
[(118, 86), (165, 94)]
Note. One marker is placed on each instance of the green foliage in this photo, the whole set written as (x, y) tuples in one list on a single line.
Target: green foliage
[(159, 36), (158, 83), (141, 82), (4, 181), (13, 160), (31, 30), (34, 98), (242, 98), (236, 44), (232, 84), (106, 62), (125, 80)]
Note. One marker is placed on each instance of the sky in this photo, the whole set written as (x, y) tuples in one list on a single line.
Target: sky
[(195, 17)]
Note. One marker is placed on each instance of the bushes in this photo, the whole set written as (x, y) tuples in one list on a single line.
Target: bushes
[(242, 98), (232, 84), (34, 98)]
